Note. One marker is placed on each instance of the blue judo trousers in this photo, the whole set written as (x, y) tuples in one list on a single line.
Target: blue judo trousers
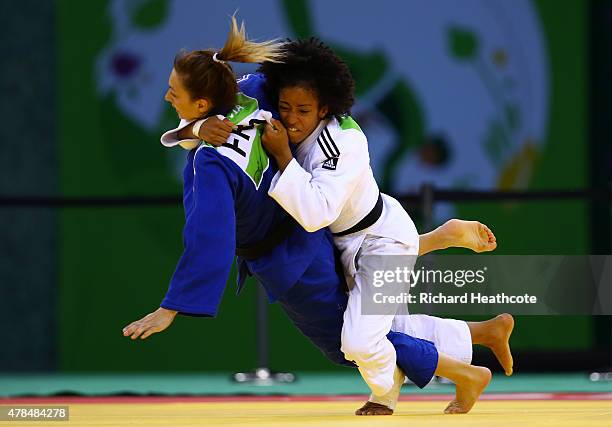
[(226, 209)]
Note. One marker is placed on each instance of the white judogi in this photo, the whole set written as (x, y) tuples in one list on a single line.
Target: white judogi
[(330, 183)]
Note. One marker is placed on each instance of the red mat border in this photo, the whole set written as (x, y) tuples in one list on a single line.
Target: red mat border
[(314, 398)]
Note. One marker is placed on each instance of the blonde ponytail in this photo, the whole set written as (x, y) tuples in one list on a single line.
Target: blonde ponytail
[(208, 74), (239, 49)]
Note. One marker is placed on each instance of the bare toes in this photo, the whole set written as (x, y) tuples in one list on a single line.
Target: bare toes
[(454, 408), (371, 408)]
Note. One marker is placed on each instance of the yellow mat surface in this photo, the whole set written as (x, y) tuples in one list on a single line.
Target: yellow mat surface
[(485, 413)]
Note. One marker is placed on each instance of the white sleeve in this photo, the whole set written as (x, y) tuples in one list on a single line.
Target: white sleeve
[(316, 199), (170, 138)]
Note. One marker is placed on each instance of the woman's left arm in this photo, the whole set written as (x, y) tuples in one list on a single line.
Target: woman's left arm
[(316, 199)]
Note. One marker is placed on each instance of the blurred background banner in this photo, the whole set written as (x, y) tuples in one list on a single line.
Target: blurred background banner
[(470, 94), (460, 94)]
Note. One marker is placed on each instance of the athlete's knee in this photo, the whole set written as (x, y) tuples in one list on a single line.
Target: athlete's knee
[(338, 358), (356, 348)]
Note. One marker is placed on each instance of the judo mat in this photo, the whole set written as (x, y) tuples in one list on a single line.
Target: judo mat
[(214, 400)]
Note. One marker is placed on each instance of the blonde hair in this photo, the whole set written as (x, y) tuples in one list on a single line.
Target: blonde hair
[(238, 48), (206, 74)]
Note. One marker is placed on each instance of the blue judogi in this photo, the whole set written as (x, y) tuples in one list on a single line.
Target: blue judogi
[(227, 205)]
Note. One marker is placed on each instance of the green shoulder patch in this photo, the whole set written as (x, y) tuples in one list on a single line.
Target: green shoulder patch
[(347, 122), (245, 106)]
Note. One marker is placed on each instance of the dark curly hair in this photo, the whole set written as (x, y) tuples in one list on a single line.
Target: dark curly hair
[(312, 64)]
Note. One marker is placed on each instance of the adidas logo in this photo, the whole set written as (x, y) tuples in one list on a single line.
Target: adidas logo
[(330, 163), (329, 149)]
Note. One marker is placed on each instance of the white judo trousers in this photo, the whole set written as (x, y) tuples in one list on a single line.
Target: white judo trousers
[(364, 335)]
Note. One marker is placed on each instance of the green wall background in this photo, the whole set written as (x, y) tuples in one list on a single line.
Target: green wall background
[(116, 263), (561, 227)]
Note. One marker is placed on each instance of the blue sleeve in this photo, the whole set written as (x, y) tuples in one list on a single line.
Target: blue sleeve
[(209, 237), (253, 85)]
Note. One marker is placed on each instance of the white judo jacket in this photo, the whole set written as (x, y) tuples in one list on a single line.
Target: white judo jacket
[(330, 183)]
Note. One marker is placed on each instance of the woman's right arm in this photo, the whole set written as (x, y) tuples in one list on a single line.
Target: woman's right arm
[(214, 130), (201, 274)]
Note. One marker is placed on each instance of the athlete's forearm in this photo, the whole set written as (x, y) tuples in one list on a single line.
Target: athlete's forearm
[(283, 160), (186, 132)]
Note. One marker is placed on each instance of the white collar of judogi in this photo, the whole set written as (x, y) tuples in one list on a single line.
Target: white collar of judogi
[(303, 147)]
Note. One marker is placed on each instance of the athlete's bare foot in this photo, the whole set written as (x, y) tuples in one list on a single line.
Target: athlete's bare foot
[(469, 390), (469, 234), (495, 334), (371, 408), (500, 344)]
